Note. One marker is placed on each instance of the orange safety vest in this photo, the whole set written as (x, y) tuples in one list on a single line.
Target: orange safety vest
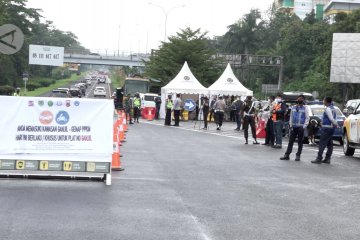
[(276, 108)]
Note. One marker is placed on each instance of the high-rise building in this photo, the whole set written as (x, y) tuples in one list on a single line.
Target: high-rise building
[(337, 6), (302, 7)]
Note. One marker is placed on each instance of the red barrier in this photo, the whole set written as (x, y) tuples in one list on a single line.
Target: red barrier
[(260, 130), (148, 113)]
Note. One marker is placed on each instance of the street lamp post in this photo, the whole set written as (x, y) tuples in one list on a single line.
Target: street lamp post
[(119, 41), (166, 13)]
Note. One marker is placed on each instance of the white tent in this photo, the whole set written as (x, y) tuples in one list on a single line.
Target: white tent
[(228, 84), (184, 83)]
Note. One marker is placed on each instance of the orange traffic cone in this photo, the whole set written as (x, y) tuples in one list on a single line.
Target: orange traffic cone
[(116, 163), (260, 131), (121, 133)]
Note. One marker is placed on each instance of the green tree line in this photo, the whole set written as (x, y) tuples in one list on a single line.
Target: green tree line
[(38, 31)]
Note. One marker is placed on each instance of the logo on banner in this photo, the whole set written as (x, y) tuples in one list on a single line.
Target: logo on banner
[(46, 117), (186, 78), (68, 103), (62, 117), (41, 103), (76, 103), (30, 103), (50, 103), (229, 80), (59, 103)]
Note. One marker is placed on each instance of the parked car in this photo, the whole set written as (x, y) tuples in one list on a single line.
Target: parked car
[(99, 91), (350, 106), (351, 131), (317, 111)]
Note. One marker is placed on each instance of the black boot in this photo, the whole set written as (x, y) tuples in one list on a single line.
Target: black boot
[(285, 157), (246, 141), (297, 158)]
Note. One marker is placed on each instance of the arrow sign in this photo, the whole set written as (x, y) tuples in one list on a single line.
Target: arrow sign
[(11, 39), (189, 105)]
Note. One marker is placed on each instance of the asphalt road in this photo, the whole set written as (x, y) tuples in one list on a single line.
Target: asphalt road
[(184, 183)]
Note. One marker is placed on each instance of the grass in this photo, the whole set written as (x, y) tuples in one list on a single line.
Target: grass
[(117, 81), (59, 83)]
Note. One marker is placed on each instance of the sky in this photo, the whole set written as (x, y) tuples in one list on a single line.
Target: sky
[(137, 26)]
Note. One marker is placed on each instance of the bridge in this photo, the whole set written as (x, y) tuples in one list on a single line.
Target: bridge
[(133, 60)]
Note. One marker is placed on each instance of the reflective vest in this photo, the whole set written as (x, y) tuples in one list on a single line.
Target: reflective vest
[(169, 104), (326, 123), (275, 116), (298, 116), (15, 94), (137, 102)]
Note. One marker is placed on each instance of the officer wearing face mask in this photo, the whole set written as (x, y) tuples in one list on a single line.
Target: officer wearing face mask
[(299, 120)]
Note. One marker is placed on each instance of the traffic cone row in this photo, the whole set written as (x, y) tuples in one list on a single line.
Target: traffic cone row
[(118, 136)]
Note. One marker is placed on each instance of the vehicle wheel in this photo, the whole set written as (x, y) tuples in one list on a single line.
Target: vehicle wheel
[(348, 151)]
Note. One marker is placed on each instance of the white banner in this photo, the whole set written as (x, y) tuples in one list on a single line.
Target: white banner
[(46, 55), (56, 128)]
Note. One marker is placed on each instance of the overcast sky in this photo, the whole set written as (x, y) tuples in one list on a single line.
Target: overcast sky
[(137, 25)]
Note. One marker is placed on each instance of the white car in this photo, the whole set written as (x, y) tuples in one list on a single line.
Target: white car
[(99, 91)]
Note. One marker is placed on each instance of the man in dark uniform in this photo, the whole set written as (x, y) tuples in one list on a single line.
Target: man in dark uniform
[(205, 110), (157, 105), (248, 118), (237, 105), (128, 107)]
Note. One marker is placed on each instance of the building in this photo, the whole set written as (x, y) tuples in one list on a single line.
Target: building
[(302, 7), (340, 6)]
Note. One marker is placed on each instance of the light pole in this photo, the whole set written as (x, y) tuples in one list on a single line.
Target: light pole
[(119, 41), (166, 14)]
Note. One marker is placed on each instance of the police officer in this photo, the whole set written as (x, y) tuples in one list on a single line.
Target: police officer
[(299, 120), (248, 118), (157, 101), (169, 105), (137, 105), (128, 107), (328, 126), (237, 104)]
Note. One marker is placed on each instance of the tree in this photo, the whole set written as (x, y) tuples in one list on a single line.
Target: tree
[(186, 45)]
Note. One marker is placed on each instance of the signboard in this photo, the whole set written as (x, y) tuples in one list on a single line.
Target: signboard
[(46, 55), (189, 105), (47, 133), (345, 58), (269, 88)]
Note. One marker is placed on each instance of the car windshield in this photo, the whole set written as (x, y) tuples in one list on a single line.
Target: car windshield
[(320, 111), (149, 98)]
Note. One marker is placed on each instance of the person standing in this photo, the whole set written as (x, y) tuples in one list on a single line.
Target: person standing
[(157, 101), (177, 109), (278, 118), (298, 122), (212, 108), (128, 107), (248, 118), (237, 104), (137, 105), (205, 110), (17, 92), (328, 126), (169, 106), (219, 109), (269, 129)]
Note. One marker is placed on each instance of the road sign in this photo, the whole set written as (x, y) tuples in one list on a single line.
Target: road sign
[(11, 39), (189, 105), (46, 55)]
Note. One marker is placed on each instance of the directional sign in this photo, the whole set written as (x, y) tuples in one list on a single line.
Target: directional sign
[(46, 55), (189, 105), (11, 39)]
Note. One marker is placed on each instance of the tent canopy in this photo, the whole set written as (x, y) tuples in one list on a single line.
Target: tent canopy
[(184, 83), (228, 84)]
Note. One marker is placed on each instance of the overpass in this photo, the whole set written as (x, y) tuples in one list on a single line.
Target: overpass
[(96, 59)]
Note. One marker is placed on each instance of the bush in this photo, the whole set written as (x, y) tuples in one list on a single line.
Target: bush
[(57, 73), (45, 82), (6, 90), (32, 86)]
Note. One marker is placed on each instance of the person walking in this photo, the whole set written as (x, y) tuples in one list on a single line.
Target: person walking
[(269, 129), (169, 106), (219, 109), (157, 101), (177, 109), (128, 107), (298, 122), (137, 105), (248, 118), (237, 104), (205, 110), (328, 126), (278, 118), (212, 108)]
